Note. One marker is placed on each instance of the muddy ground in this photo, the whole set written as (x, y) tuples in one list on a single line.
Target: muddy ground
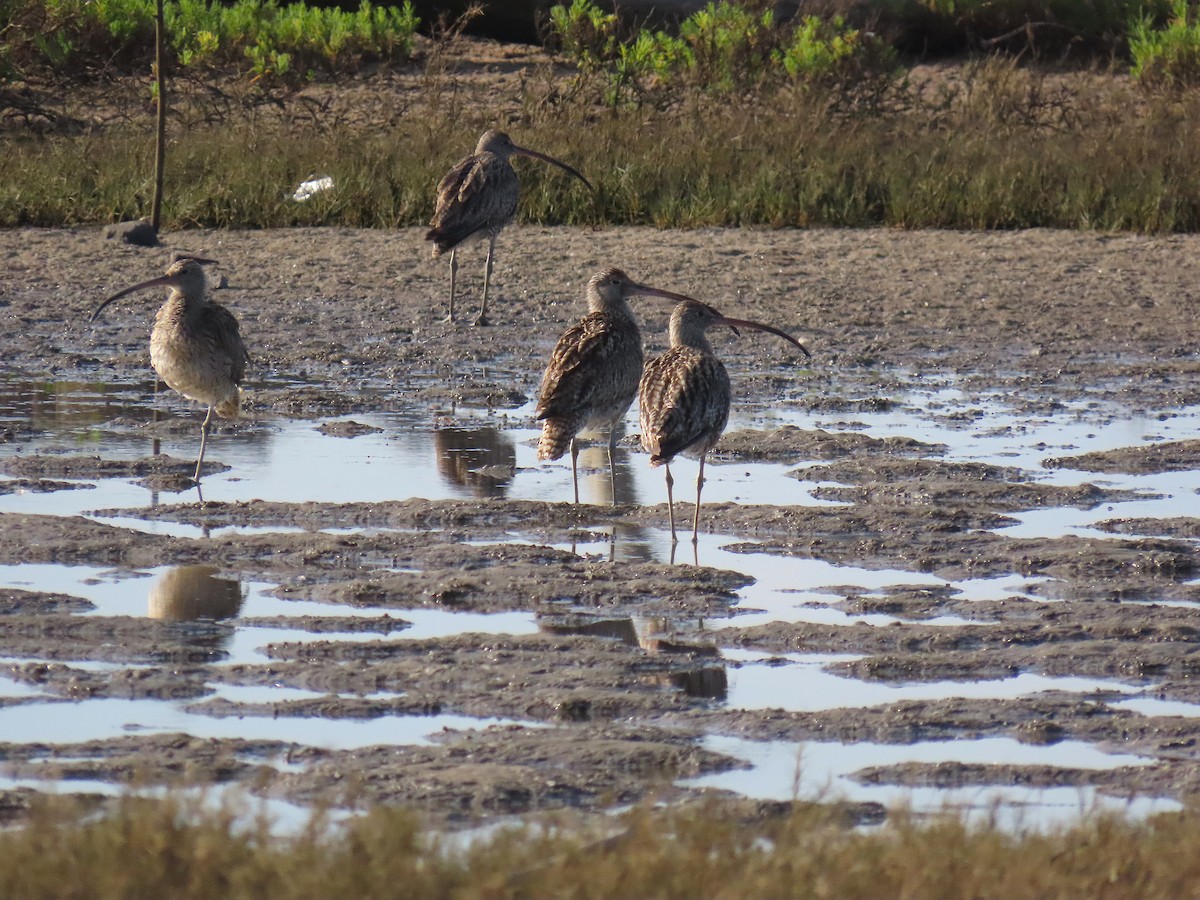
[(343, 322)]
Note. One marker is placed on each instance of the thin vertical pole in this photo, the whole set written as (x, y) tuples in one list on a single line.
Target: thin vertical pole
[(160, 143)]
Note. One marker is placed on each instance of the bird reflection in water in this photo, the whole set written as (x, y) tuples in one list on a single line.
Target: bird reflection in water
[(187, 593), (481, 459), (614, 485), (653, 634)]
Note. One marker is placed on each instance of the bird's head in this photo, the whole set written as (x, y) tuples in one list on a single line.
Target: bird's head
[(185, 275)]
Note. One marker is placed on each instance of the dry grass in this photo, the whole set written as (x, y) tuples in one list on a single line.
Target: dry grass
[(169, 849)]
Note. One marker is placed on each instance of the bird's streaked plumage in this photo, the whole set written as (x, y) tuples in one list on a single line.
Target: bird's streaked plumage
[(685, 394), (593, 373), (196, 345), (476, 199)]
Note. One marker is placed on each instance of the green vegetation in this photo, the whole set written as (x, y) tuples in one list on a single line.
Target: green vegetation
[(1167, 56), (731, 117), (994, 146), (722, 47), (260, 36), (730, 45), (165, 849)]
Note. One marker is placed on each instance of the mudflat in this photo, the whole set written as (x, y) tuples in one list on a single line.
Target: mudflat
[(596, 713)]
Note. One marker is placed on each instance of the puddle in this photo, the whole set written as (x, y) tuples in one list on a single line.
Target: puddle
[(984, 428), (794, 589), (803, 684), (1174, 494), (1152, 706), (992, 433), (10, 688), (68, 722), (187, 593), (494, 456), (785, 770), (292, 461)]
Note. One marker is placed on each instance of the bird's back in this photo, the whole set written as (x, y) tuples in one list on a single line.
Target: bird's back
[(684, 402), (592, 378), (479, 194)]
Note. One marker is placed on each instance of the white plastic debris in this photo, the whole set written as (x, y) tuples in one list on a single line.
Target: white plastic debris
[(311, 187)]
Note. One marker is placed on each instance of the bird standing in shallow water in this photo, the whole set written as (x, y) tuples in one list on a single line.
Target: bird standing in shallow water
[(593, 373), (478, 197), (196, 346), (685, 394)]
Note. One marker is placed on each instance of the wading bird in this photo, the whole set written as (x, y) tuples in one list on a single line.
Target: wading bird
[(685, 394), (477, 198), (593, 373), (196, 346)]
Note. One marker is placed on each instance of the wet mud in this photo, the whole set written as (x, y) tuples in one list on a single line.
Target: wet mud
[(625, 668)]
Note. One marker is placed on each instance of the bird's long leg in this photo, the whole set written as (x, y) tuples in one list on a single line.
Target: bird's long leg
[(671, 503), (574, 470), (487, 279), (612, 468), (156, 443), (699, 487), (203, 442), (453, 278)]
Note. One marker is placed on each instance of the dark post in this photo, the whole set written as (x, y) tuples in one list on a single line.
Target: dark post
[(160, 143)]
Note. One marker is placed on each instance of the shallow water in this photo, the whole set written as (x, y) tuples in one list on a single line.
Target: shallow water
[(492, 455), (782, 770), (801, 683)]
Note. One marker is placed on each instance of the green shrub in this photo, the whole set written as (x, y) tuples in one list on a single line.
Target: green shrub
[(728, 44), (1166, 56), (820, 49), (584, 31), (260, 35), (723, 47)]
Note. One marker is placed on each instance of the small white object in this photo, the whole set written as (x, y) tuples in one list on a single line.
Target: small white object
[(311, 187)]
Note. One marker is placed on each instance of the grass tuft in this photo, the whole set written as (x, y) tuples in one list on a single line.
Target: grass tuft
[(184, 849)]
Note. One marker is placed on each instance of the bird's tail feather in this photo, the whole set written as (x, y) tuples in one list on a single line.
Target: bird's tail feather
[(557, 435)]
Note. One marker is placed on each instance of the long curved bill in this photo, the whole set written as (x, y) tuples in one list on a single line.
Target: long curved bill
[(161, 280), (533, 154), (735, 324), (647, 291)]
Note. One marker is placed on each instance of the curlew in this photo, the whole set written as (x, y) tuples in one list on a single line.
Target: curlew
[(593, 373), (685, 394), (196, 346), (477, 198)]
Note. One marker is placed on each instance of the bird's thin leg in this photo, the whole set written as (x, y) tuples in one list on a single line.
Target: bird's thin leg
[(453, 279), (156, 443), (671, 503), (612, 468), (203, 442), (487, 279), (699, 487), (574, 470)]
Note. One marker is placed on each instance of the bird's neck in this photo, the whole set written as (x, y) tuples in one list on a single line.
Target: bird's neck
[(181, 309), (619, 307), (685, 336)]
